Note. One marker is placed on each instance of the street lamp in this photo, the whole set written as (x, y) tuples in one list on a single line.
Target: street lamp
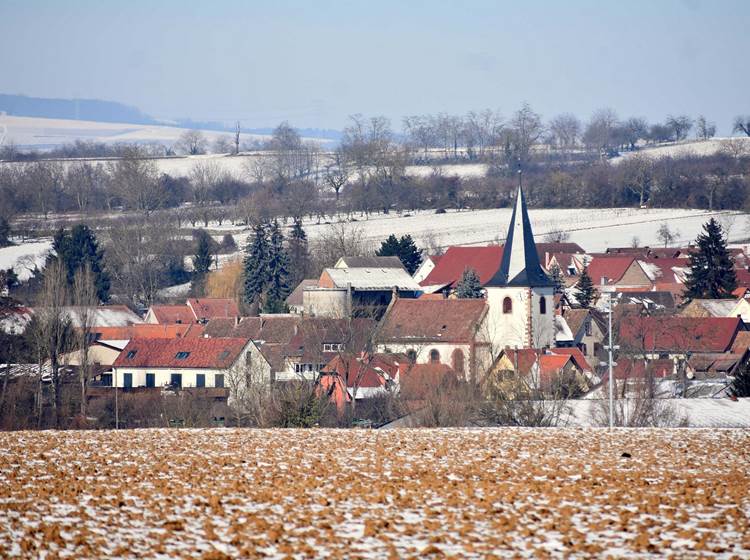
[(609, 290)]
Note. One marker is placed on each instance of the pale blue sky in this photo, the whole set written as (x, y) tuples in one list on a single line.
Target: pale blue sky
[(315, 62)]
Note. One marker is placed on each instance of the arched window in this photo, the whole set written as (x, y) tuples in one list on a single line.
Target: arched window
[(411, 354), (458, 361), (434, 356), (507, 305), (542, 305)]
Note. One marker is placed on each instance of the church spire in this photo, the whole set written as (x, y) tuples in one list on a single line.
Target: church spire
[(520, 264)]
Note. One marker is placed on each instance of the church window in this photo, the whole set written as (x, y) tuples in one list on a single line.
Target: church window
[(542, 305), (458, 361), (434, 356), (507, 305)]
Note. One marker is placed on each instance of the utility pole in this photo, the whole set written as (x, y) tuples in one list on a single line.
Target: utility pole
[(610, 349), (117, 408)]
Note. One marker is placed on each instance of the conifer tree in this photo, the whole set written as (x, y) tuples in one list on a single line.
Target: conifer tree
[(469, 287), (203, 259), (586, 292), (255, 264), (740, 386), (556, 276), (299, 257), (278, 272), (75, 249), (405, 249), (712, 274)]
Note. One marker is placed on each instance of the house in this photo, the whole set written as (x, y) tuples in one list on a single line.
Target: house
[(485, 261), (369, 262), (195, 310), (618, 271), (295, 300), (447, 331), (180, 362), (364, 291), (718, 308), (101, 355), (169, 314), (653, 337), (145, 330), (589, 330), (549, 371), (429, 263)]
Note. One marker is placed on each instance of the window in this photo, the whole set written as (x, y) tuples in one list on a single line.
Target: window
[(150, 380), (219, 380), (542, 305), (434, 356), (127, 380), (587, 327), (411, 354), (458, 360), (175, 380), (248, 358), (200, 379), (131, 354), (181, 355), (224, 355), (333, 347), (107, 379), (507, 305)]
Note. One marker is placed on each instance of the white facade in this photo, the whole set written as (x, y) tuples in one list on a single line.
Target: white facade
[(163, 377), (522, 323)]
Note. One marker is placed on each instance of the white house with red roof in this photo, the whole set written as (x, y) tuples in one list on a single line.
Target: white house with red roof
[(181, 362)]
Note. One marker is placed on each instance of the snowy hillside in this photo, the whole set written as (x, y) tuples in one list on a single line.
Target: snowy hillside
[(698, 148)]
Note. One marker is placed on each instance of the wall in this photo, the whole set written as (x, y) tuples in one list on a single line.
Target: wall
[(512, 329), (163, 376), (325, 302)]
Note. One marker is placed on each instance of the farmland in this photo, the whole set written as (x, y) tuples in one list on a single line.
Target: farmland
[(363, 494)]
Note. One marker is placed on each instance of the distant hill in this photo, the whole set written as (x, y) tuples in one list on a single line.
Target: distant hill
[(77, 109)]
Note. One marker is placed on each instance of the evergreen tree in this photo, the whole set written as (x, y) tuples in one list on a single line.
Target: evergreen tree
[(256, 264), (4, 232), (278, 272), (712, 273), (469, 287), (556, 276), (299, 257), (203, 259), (77, 248), (740, 386), (405, 249), (586, 292)]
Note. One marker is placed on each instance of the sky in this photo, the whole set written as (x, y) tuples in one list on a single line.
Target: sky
[(314, 63)]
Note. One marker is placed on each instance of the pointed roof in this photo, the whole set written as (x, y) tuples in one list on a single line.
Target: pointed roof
[(520, 264)]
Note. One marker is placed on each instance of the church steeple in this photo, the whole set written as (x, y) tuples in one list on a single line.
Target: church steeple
[(520, 265)]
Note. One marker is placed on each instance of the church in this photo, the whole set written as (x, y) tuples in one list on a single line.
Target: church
[(520, 295)]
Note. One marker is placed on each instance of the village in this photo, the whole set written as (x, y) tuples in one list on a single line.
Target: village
[(471, 337)]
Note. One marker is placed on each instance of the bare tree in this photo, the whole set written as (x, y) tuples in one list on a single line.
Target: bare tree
[(136, 181), (192, 142), (704, 129), (666, 235), (525, 130), (222, 145), (85, 299), (53, 328), (680, 126), (742, 124), (565, 131), (634, 129), (600, 131), (337, 173), (237, 138)]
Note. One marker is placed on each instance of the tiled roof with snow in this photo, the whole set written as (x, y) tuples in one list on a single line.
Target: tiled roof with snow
[(373, 279), (369, 262), (104, 316), (678, 334), (147, 330), (180, 314), (448, 270), (210, 308)]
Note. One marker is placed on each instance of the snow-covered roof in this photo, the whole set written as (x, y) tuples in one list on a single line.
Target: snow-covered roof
[(562, 330), (373, 279), (105, 316)]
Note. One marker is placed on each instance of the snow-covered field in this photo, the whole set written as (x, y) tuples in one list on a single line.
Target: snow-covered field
[(468, 493), (732, 146), (593, 229), (34, 131)]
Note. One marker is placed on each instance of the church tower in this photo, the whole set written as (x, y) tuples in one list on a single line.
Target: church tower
[(520, 295)]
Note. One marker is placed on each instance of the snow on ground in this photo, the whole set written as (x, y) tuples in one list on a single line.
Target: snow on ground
[(594, 229), (24, 257), (692, 148), (468, 493)]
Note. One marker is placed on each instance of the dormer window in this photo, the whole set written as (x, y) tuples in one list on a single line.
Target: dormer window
[(131, 354), (181, 355)]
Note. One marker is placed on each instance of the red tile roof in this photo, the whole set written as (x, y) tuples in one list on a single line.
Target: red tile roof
[(577, 356), (743, 277), (611, 268), (210, 308), (420, 379), (741, 342), (213, 353), (364, 371), (678, 334), (180, 314), (148, 330), (447, 320), (664, 268), (628, 368), (448, 270)]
